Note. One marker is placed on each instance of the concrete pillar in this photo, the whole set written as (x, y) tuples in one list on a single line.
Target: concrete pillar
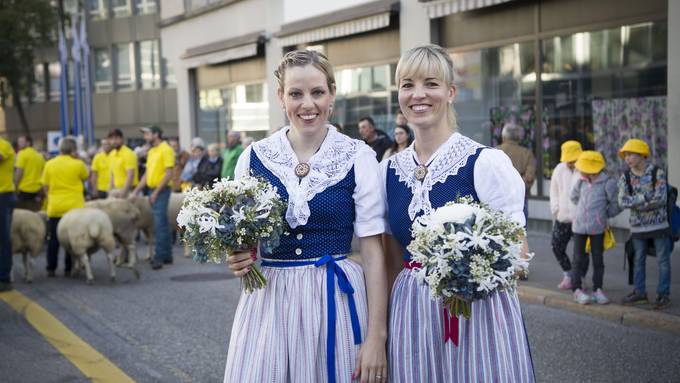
[(673, 106), (414, 25), (185, 121)]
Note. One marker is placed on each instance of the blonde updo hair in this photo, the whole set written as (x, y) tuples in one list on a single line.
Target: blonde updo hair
[(428, 61), (302, 58)]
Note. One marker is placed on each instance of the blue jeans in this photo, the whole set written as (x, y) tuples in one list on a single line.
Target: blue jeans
[(161, 226), (662, 246), (7, 202)]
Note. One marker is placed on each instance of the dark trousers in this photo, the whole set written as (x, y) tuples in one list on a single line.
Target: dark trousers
[(561, 235), (53, 247), (29, 201), (580, 257), (7, 201)]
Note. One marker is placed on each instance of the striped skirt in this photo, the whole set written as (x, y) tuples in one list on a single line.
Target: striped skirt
[(492, 346), (280, 332)]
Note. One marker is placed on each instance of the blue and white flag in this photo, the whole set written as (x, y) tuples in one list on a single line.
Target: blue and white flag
[(63, 85), (88, 117), (77, 91)]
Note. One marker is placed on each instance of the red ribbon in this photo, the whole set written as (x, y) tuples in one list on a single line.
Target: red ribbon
[(450, 321)]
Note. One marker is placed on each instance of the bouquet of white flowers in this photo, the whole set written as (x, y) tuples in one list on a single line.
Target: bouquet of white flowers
[(232, 216), (465, 251)]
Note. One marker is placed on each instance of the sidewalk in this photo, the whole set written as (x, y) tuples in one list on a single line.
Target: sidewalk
[(545, 274)]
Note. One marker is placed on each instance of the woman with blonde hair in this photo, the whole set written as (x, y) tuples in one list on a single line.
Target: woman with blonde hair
[(426, 343), (311, 322)]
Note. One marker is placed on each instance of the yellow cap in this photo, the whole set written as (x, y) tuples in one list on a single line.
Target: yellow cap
[(590, 162), (570, 151), (635, 145)]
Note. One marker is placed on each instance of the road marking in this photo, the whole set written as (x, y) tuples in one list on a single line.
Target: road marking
[(89, 361)]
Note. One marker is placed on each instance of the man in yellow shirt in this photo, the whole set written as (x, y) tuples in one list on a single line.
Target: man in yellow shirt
[(159, 163), (62, 180), (123, 162), (100, 176), (7, 201), (27, 172)]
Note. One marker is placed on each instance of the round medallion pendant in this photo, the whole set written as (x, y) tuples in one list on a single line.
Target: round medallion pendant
[(421, 172), (301, 170)]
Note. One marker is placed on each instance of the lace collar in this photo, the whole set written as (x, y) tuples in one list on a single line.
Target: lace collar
[(445, 162), (328, 166)]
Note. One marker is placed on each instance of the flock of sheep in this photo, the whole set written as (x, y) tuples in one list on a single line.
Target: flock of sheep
[(82, 232)]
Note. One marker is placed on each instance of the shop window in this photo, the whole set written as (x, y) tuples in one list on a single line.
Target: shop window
[(240, 108), (604, 87), (125, 76), (54, 71), (38, 94), (150, 66), (102, 70), (366, 91)]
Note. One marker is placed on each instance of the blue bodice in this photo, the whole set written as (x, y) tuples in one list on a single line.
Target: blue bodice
[(399, 196), (330, 226)]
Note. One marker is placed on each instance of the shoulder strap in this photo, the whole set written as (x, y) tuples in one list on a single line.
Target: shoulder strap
[(628, 185), (654, 171)]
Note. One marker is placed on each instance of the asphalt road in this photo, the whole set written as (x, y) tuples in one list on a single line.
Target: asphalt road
[(173, 325)]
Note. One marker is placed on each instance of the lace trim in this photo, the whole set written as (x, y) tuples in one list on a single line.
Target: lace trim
[(328, 166), (447, 160)]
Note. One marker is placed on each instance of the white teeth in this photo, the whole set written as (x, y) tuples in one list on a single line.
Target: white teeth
[(419, 108), (308, 116)]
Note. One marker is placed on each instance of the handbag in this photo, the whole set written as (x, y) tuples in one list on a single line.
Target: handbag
[(609, 240)]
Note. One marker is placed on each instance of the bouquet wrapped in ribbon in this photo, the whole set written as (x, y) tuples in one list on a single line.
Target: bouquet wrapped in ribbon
[(465, 251), (233, 216)]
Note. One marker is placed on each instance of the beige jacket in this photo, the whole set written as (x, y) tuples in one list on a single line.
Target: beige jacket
[(523, 160), (562, 182)]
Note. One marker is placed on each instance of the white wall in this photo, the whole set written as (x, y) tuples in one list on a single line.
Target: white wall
[(171, 8), (295, 10)]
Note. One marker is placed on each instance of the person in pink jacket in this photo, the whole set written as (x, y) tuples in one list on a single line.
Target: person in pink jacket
[(563, 179)]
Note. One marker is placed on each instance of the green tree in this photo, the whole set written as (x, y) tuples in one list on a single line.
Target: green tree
[(25, 25)]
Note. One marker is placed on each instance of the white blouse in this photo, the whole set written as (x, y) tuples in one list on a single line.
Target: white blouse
[(328, 166), (497, 182)]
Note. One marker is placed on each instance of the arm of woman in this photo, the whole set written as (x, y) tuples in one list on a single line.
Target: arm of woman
[(369, 226), (393, 259)]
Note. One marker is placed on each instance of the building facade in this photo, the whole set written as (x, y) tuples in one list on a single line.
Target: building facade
[(132, 84)]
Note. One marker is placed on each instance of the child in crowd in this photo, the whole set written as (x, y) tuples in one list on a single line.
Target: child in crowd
[(595, 195)]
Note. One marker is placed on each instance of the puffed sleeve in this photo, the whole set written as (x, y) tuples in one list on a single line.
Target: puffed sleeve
[(243, 164), (383, 191), (368, 198), (499, 185)]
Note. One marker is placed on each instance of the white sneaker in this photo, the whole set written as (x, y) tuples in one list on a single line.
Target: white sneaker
[(600, 298), (580, 297)]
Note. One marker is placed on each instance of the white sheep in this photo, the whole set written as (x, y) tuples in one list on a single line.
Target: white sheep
[(84, 231), (28, 237), (124, 216)]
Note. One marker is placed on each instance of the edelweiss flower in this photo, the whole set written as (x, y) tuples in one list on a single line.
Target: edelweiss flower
[(208, 223)]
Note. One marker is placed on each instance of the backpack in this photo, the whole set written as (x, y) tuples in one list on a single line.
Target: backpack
[(672, 210)]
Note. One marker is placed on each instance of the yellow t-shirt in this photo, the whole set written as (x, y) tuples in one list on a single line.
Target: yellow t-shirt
[(122, 160), (64, 176), (6, 167), (100, 164), (32, 163), (158, 160)]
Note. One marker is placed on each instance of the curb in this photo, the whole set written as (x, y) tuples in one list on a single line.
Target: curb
[(629, 316)]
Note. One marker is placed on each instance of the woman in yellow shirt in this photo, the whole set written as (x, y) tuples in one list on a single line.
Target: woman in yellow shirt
[(101, 172), (27, 171), (63, 184)]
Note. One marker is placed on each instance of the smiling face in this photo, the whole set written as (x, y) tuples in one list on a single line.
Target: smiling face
[(306, 97), (425, 99)]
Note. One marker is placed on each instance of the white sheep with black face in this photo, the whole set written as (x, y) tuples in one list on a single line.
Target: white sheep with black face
[(124, 216), (28, 237), (84, 231)]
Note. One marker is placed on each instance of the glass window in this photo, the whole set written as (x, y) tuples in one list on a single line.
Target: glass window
[(125, 77), (170, 80), (121, 8), (98, 9), (150, 65), (240, 108), (71, 7), (54, 70), (145, 6), (365, 91), (102, 70), (604, 87), (38, 94)]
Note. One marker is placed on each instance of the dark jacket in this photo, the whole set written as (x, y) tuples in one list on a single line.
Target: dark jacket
[(207, 171)]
